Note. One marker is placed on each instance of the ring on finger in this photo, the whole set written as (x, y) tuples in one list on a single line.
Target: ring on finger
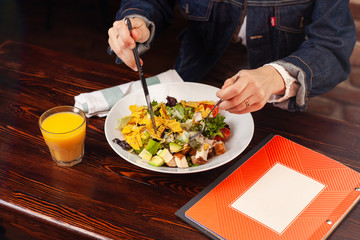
[(246, 101)]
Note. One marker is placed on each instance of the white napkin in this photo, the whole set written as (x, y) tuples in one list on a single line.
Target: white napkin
[(99, 103)]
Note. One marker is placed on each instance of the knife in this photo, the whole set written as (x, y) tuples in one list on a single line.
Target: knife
[(142, 78)]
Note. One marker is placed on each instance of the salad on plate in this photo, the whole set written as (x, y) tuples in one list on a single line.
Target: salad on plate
[(176, 122)]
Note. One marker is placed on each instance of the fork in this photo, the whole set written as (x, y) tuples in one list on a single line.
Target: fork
[(207, 117)]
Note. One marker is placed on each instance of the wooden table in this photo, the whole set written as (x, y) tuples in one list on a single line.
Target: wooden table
[(105, 196)]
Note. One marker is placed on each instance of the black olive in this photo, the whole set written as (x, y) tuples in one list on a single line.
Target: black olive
[(122, 144), (171, 101)]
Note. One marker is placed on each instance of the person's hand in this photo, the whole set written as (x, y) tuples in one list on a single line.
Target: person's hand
[(122, 41), (251, 91)]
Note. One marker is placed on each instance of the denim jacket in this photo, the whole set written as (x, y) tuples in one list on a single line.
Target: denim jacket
[(312, 39)]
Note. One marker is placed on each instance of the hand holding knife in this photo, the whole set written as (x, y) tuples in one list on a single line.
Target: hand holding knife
[(142, 78)]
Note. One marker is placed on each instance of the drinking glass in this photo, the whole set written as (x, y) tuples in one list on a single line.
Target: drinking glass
[(64, 129)]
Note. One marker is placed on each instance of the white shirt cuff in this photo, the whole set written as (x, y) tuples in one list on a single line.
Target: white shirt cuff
[(291, 84)]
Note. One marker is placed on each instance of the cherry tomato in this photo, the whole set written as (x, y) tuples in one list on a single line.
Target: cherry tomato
[(225, 132), (214, 112)]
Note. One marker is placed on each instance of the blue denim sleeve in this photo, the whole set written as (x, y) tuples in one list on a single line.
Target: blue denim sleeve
[(323, 59), (160, 13)]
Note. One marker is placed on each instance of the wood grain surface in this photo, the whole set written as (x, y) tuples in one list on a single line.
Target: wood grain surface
[(105, 197)]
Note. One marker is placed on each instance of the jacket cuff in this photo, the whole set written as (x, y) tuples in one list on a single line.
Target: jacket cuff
[(143, 47), (299, 101)]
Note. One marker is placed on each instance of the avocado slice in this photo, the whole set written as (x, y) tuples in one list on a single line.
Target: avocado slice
[(174, 147), (145, 155), (122, 122), (156, 161), (165, 154), (152, 146)]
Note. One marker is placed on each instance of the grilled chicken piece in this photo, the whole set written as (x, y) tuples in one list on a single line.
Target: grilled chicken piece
[(181, 161), (186, 149), (219, 147), (171, 163), (198, 160), (192, 152), (201, 155)]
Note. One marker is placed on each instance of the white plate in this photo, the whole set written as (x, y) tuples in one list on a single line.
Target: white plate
[(242, 126)]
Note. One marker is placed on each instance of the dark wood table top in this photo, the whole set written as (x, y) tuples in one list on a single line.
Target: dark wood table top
[(105, 196)]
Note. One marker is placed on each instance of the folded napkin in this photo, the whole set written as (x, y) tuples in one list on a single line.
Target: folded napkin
[(99, 103)]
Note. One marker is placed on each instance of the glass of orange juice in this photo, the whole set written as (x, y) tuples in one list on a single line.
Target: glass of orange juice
[(63, 129)]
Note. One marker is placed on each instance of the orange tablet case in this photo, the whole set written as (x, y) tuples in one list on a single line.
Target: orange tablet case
[(210, 210)]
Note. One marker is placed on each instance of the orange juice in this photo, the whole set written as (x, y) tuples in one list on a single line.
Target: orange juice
[(64, 133)]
